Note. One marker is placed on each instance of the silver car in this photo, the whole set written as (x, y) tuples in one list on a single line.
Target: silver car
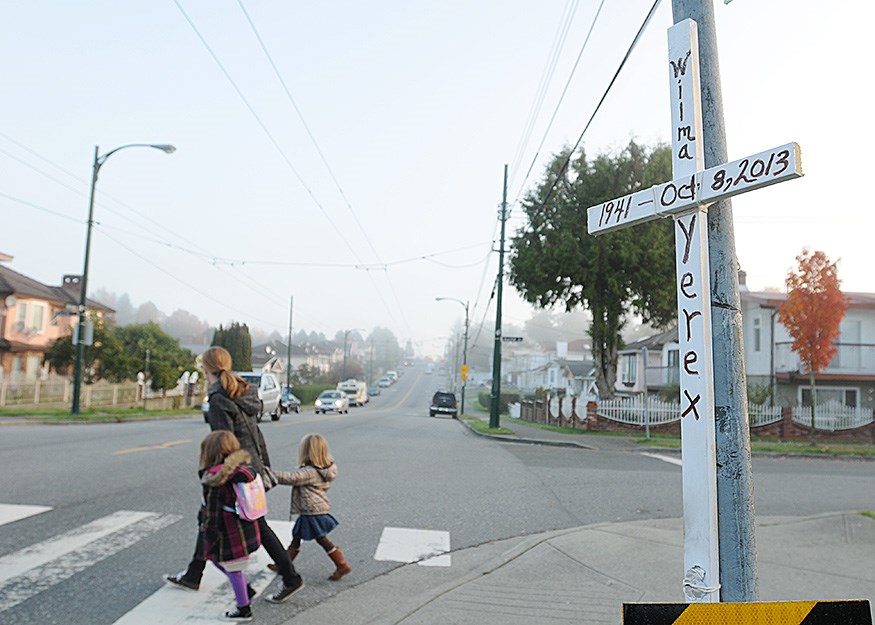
[(269, 392), (334, 401)]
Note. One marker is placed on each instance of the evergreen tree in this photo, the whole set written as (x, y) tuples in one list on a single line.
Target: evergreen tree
[(237, 340), (555, 261)]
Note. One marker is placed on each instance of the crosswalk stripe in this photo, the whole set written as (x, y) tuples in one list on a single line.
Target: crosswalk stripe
[(9, 513), (425, 547), (34, 569), (172, 606)]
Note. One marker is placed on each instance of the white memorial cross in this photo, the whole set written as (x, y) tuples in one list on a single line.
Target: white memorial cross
[(686, 199)]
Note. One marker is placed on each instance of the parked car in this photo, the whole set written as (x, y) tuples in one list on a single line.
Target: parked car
[(374, 390), (269, 394), (333, 401), (384, 382), (443, 403), (289, 401)]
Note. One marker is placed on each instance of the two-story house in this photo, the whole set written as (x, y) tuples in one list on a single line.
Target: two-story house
[(274, 356), (771, 363), (33, 316), (774, 371)]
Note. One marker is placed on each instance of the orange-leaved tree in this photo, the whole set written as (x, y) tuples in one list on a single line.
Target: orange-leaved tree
[(812, 313)]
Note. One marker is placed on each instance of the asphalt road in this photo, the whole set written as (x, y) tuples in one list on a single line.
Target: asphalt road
[(398, 468)]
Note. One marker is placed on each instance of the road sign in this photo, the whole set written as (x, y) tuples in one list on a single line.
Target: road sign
[(464, 376), (511, 339), (686, 198), (464, 369)]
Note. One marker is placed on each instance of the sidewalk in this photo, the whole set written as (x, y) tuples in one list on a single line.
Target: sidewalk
[(584, 575)]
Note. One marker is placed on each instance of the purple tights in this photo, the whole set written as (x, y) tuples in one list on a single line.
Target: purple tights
[(238, 584)]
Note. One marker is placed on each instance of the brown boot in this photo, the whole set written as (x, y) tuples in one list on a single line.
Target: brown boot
[(293, 553), (343, 566)]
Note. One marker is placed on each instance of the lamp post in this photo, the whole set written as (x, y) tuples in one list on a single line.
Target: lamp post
[(464, 349), (99, 160)]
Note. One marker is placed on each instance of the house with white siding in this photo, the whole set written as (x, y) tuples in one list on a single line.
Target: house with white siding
[(774, 371)]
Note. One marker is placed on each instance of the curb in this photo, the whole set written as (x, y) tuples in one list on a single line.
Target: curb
[(528, 441)]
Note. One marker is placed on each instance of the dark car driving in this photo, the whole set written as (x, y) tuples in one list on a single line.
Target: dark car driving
[(443, 403)]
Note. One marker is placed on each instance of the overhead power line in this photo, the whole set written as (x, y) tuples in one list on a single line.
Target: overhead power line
[(546, 78), (561, 99), (571, 152)]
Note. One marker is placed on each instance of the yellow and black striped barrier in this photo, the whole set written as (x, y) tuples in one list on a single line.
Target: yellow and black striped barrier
[(757, 613)]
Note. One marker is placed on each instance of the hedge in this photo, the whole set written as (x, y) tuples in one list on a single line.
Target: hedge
[(505, 397)]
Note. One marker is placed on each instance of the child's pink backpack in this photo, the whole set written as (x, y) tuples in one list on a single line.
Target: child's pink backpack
[(251, 499)]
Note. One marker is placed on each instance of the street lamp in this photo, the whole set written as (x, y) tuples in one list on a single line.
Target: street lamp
[(80, 345), (464, 349)]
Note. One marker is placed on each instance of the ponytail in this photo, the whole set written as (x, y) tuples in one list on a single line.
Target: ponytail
[(217, 360), (234, 385)]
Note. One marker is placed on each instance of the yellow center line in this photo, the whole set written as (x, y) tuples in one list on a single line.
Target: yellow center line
[(121, 452)]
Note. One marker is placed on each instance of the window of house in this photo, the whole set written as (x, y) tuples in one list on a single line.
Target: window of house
[(757, 333), (37, 317), (21, 315), (630, 369), (673, 367), (845, 396), (849, 354)]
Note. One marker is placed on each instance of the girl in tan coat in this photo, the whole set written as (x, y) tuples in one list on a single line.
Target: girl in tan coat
[(310, 483)]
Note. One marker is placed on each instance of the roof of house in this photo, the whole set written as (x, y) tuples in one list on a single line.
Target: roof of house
[(653, 342), (774, 298), (14, 283), (260, 355), (578, 368)]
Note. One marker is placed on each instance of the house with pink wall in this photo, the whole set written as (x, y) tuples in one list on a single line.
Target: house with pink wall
[(33, 316)]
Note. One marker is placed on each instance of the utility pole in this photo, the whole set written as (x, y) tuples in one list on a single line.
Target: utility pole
[(289, 352), (496, 350), (737, 554)]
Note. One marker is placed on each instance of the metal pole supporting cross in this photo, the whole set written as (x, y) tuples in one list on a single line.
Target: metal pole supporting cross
[(686, 199)]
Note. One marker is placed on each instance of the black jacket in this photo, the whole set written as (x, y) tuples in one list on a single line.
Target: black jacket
[(239, 416)]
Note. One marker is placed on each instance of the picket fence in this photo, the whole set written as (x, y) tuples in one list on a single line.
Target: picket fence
[(830, 417), (641, 411), (833, 417)]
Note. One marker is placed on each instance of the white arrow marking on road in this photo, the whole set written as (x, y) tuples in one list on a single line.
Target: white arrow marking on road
[(9, 513), (400, 544), (668, 459), (34, 569)]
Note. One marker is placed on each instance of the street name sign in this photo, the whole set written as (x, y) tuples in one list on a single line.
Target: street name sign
[(686, 199), (511, 339)]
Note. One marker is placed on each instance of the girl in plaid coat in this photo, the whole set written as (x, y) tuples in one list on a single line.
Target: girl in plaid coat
[(310, 482), (227, 539)]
